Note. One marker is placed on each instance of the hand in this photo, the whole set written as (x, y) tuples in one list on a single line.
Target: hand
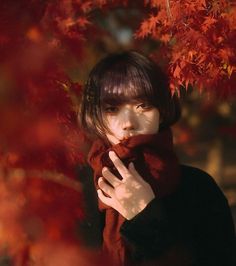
[(128, 196)]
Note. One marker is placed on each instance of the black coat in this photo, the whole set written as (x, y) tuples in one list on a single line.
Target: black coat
[(193, 226)]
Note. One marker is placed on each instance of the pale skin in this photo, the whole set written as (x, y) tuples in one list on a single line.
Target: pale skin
[(130, 195)]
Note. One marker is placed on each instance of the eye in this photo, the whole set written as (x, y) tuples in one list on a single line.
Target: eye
[(110, 109), (144, 106)]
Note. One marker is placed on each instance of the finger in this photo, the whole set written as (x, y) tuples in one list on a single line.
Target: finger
[(103, 198), (110, 177), (105, 187), (134, 172), (121, 168)]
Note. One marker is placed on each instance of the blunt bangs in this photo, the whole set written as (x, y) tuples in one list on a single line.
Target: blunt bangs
[(125, 82)]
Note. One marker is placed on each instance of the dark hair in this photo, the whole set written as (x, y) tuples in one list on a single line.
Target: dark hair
[(121, 77)]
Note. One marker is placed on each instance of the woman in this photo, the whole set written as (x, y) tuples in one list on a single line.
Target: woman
[(151, 209)]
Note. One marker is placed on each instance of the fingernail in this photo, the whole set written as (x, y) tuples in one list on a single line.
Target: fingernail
[(104, 168)]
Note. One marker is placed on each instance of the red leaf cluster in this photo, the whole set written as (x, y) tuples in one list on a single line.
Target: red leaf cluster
[(40, 144), (38, 105), (198, 42)]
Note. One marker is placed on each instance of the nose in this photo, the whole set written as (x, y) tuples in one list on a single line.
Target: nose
[(129, 121), (128, 126)]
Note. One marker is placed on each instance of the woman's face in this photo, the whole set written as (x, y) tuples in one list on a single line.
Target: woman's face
[(130, 119)]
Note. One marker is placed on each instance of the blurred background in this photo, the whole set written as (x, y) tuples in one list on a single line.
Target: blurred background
[(47, 50)]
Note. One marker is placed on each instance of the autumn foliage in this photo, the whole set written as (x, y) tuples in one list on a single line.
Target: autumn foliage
[(198, 42), (40, 144)]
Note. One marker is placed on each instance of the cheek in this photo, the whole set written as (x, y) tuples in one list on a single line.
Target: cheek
[(151, 122), (112, 124), (154, 128)]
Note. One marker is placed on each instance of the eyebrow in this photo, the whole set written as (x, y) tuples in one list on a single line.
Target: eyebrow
[(119, 101)]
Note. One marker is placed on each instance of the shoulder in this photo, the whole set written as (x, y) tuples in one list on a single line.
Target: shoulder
[(196, 183), (196, 177), (193, 172)]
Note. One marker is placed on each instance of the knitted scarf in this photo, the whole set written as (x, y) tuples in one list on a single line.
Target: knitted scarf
[(155, 161)]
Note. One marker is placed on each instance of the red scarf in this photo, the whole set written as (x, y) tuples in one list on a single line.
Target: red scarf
[(155, 161)]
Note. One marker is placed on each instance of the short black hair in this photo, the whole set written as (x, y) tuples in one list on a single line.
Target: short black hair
[(121, 77)]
